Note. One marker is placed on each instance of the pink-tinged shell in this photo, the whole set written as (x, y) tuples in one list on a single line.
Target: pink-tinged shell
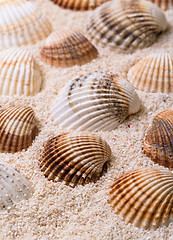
[(163, 4)]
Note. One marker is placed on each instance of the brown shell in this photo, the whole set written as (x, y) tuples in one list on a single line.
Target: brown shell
[(163, 4)]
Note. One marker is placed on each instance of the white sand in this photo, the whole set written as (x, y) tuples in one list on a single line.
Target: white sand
[(56, 211)]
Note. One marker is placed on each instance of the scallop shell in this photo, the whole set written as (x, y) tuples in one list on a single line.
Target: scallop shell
[(75, 158), (127, 24), (13, 187), (153, 73), (66, 48), (17, 128), (144, 197), (163, 4), (19, 73), (21, 23), (94, 102), (158, 143)]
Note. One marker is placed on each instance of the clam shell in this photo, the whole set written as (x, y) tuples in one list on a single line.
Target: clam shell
[(17, 128), (75, 158), (163, 4), (158, 143), (66, 48), (21, 23), (127, 24), (153, 73), (94, 102), (144, 197)]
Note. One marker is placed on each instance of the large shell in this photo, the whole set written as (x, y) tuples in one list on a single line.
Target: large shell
[(66, 48), (17, 128), (153, 73), (21, 23), (127, 24), (19, 73), (158, 143), (75, 158), (144, 197), (94, 102), (163, 4)]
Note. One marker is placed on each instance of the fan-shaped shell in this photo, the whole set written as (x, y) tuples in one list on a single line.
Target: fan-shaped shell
[(17, 128), (153, 73), (19, 73), (21, 23), (94, 102), (163, 4), (66, 48), (127, 24), (144, 197), (75, 158), (158, 143)]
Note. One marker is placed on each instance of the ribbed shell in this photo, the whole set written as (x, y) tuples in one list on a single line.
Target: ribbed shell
[(158, 143), (13, 187), (21, 23), (75, 158), (127, 24), (153, 73), (19, 73), (163, 4), (66, 48), (94, 102), (17, 128), (144, 197)]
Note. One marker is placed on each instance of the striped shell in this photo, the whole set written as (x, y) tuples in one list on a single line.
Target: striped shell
[(153, 73), (75, 158), (163, 4), (13, 187), (158, 143), (66, 48), (17, 128), (21, 23), (144, 197), (94, 102), (127, 24), (19, 73)]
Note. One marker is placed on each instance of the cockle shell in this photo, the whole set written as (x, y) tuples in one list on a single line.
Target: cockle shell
[(75, 158), (19, 73), (144, 197), (127, 24), (66, 48), (163, 4), (94, 102), (17, 128), (158, 143), (21, 23), (153, 73)]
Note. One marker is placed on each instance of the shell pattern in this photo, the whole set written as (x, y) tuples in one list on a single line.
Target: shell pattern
[(144, 197), (163, 4)]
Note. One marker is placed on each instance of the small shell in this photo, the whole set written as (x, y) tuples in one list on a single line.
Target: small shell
[(158, 143), (66, 48), (21, 23), (13, 187), (75, 158), (153, 73), (144, 197), (94, 102), (19, 73), (17, 128), (163, 4), (127, 24)]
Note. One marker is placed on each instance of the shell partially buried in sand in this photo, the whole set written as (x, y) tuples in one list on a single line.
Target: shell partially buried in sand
[(144, 197), (158, 143), (163, 4), (127, 24), (75, 158)]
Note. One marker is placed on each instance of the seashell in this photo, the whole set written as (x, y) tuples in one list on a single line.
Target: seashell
[(66, 48), (19, 73), (158, 143), (99, 101), (163, 4), (13, 187), (75, 158), (17, 128), (153, 73), (21, 23), (144, 197), (127, 24)]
